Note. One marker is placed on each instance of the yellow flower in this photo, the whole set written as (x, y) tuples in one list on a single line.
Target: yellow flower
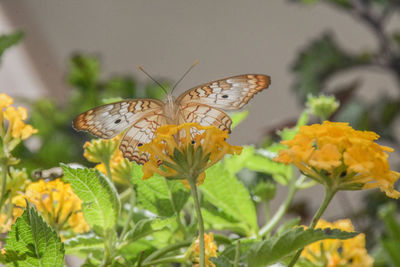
[(335, 252), (12, 128), (210, 250), (17, 128), (5, 101), (57, 203), (101, 150), (121, 168), (185, 151), (336, 155), (17, 181), (5, 223)]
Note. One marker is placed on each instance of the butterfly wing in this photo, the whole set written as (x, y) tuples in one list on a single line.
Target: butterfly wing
[(205, 115), (229, 94), (109, 120), (141, 132)]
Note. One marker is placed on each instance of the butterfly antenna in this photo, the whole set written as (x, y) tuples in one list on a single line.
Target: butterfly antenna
[(183, 76), (154, 80)]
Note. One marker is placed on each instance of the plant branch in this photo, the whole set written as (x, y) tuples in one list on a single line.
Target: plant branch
[(130, 215), (282, 209), (329, 193), (177, 212), (158, 253), (179, 258), (4, 171), (237, 254), (193, 190)]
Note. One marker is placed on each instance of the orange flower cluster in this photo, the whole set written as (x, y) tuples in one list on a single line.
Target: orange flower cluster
[(335, 252), (335, 154), (185, 150)]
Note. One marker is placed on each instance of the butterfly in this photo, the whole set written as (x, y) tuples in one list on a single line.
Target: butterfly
[(204, 104)]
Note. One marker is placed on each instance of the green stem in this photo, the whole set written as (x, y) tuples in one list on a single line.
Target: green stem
[(237, 254), (267, 211), (4, 170), (179, 258), (193, 189), (163, 251), (282, 209), (329, 193), (130, 215), (140, 259), (177, 212), (126, 194), (109, 248), (108, 169)]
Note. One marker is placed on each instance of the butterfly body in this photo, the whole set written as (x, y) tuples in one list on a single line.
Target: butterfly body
[(171, 110), (204, 104)]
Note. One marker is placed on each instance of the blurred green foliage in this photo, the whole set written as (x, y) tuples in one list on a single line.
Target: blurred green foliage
[(323, 60), (8, 40)]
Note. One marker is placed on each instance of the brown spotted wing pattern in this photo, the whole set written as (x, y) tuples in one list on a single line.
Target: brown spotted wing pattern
[(228, 94), (141, 117), (206, 115), (109, 120), (141, 132)]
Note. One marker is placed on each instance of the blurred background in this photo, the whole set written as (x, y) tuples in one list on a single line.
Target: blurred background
[(69, 56)]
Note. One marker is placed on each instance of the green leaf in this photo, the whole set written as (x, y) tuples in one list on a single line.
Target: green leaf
[(101, 204), (146, 227), (391, 250), (229, 253), (319, 61), (259, 161), (31, 242), (159, 195), (238, 117), (225, 191), (388, 214), (132, 251), (221, 262), (83, 243), (278, 247), (8, 40), (287, 225), (391, 241), (219, 220)]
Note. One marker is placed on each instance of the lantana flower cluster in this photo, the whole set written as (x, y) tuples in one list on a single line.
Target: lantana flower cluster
[(104, 152), (15, 116), (13, 129), (185, 151), (336, 155), (335, 252), (57, 203)]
